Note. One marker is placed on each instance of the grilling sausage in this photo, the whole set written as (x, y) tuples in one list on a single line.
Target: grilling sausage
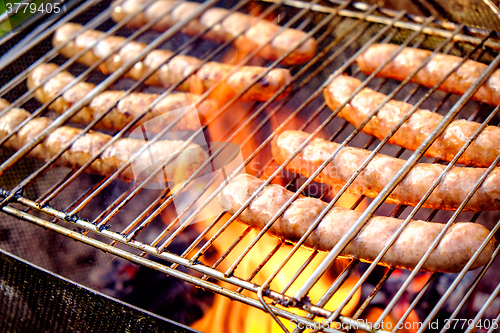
[(448, 195), (175, 69), (126, 110), (482, 151), (258, 34), (438, 67), (456, 248), (115, 156)]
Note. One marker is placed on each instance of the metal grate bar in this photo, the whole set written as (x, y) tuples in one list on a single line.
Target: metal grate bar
[(44, 195), (322, 166), (163, 204), (83, 195), (128, 91), (229, 249), (416, 300), (99, 88), (382, 196), (140, 246), (299, 271), (276, 94), (386, 311), (337, 283), (96, 21), (458, 279), (407, 219), (189, 258), (278, 246), (41, 31), (471, 326), (212, 196), (444, 30), (472, 288), (351, 268), (196, 241), (373, 293), (257, 150), (220, 112), (202, 235), (153, 104), (342, 48), (5, 16), (455, 215)]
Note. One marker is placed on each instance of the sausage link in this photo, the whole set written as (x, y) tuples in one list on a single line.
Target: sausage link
[(125, 111), (438, 67), (259, 33), (448, 195), (175, 69), (113, 157), (456, 248), (482, 151)]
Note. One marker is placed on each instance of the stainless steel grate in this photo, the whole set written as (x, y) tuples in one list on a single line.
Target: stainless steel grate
[(343, 32)]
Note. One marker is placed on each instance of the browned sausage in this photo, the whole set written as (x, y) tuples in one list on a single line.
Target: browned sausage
[(113, 157), (438, 67), (458, 245), (175, 69), (482, 152), (259, 33), (126, 110), (449, 194)]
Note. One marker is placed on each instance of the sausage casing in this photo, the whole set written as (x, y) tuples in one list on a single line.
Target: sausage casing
[(175, 69), (458, 245), (113, 157), (482, 151), (126, 110), (438, 67), (258, 33), (448, 195)]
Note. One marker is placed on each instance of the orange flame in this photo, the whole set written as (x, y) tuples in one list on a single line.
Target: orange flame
[(228, 316)]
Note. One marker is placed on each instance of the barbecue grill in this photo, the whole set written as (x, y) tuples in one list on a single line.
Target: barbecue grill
[(137, 221)]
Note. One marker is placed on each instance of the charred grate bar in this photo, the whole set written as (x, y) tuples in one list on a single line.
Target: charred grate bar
[(60, 199)]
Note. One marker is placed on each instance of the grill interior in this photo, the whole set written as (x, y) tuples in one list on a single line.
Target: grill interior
[(179, 227)]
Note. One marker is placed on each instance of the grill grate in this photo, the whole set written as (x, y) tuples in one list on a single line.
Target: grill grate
[(343, 32)]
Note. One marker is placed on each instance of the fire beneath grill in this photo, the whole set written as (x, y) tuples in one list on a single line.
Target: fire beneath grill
[(230, 316)]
